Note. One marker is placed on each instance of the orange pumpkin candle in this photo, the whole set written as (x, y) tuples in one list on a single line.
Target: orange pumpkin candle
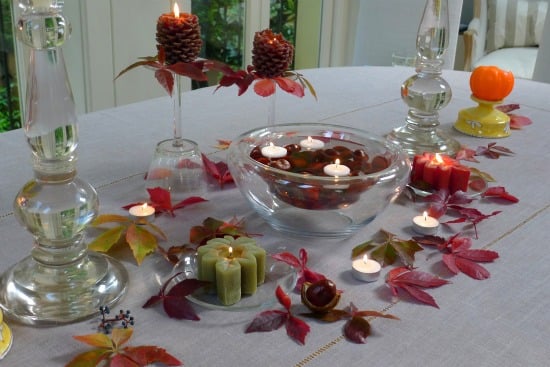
[(491, 83)]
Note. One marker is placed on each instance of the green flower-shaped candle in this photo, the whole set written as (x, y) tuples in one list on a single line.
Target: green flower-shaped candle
[(234, 266)]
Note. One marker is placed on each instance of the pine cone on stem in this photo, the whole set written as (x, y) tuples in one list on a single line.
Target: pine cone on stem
[(180, 37), (271, 54)]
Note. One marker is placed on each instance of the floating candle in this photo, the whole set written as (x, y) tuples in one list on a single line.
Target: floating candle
[(142, 213), (273, 151), (311, 143), (424, 224), (365, 269), (336, 169)]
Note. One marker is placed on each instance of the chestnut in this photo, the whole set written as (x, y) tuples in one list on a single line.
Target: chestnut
[(320, 296)]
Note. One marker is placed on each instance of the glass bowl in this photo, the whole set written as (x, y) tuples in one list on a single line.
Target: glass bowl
[(295, 195)]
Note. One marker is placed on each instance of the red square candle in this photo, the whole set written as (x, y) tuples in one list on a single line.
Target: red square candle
[(437, 171)]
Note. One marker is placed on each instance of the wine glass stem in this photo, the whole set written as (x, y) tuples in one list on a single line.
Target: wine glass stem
[(272, 99), (177, 100)]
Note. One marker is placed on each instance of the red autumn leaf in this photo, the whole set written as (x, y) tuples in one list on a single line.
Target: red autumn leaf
[(304, 273), (264, 87), (506, 108), (470, 215), (271, 320), (223, 144), (493, 151), (459, 257), (174, 301), (440, 200), (290, 86), (357, 329), (161, 200), (147, 355), (219, 171), (411, 281), (165, 79), (500, 193), (466, 154), (518, 122)]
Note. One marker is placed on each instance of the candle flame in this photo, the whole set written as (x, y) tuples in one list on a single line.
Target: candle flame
[(230, 249), (271, 144), (425, 215), (309, 139), (365, 258), (337, 162), (144, 207), (438, 158), (176, 10)]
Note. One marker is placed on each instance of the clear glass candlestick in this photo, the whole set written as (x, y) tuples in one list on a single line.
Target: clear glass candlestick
[(427, 92), (61, 281)]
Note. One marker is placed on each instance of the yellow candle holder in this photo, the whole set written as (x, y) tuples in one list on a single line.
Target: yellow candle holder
[(6, 337), (483, 121)]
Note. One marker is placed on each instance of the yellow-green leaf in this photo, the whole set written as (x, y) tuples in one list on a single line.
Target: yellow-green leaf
[(88, 359), (106, 240), (140, 241), (362, 249), (157, 230), (108, 218), (484, 175), (99, 340), (121, 336)]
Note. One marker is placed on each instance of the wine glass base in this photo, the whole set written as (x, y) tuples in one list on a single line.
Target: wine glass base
[(419, 141), (36, 294), (176, 166)]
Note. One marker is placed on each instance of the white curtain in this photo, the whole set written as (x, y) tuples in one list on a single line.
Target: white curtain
[(384, 27)]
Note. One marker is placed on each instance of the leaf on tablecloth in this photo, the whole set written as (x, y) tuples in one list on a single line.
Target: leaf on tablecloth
[(356, 328), (493, 151), (219, 171), (516, 121), (271, 320), (110, 351), (458, 255), (466, 154), (175, 301), (440, 200), (161, 200), (499, 192), (305, 274), (389, 249), (471, 215), (223, 144), (142, 239), (412, 281), (216, 228)]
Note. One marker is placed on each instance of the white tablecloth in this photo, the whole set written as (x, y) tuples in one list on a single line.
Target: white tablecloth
[(501, 321)]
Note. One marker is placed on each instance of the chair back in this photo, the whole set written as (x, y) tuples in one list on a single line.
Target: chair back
[(542, 65)]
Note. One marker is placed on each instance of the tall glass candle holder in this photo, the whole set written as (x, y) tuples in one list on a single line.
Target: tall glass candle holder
[(427, 92), (61, 281)]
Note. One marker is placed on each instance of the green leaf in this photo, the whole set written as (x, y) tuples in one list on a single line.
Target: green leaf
[(108, 218), (484, 175), (141, 242), (361, 249), (98, 340), (90, 358), (106, 240), (392, 248), (121, 335), (157, 230)]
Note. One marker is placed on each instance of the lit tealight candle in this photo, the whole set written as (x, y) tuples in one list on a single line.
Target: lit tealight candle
[(142, 213), (273, 151), (336, 169), (365, 269), (311, 143), (424, 224)]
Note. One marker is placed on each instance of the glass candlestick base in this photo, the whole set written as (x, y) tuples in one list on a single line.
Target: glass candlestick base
[(39, 294)]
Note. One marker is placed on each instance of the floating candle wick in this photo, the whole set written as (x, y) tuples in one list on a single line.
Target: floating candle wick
[(438, 158), (176, 10), (230, 252)]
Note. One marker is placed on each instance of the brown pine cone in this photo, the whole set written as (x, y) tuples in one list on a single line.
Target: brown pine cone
[(180, 37), (271, 54)]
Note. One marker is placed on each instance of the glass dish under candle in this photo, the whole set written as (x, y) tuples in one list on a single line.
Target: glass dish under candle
[(308, 203), (276, 274)]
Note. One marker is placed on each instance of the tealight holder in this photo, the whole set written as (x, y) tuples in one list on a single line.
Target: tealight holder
[(484, 120)]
